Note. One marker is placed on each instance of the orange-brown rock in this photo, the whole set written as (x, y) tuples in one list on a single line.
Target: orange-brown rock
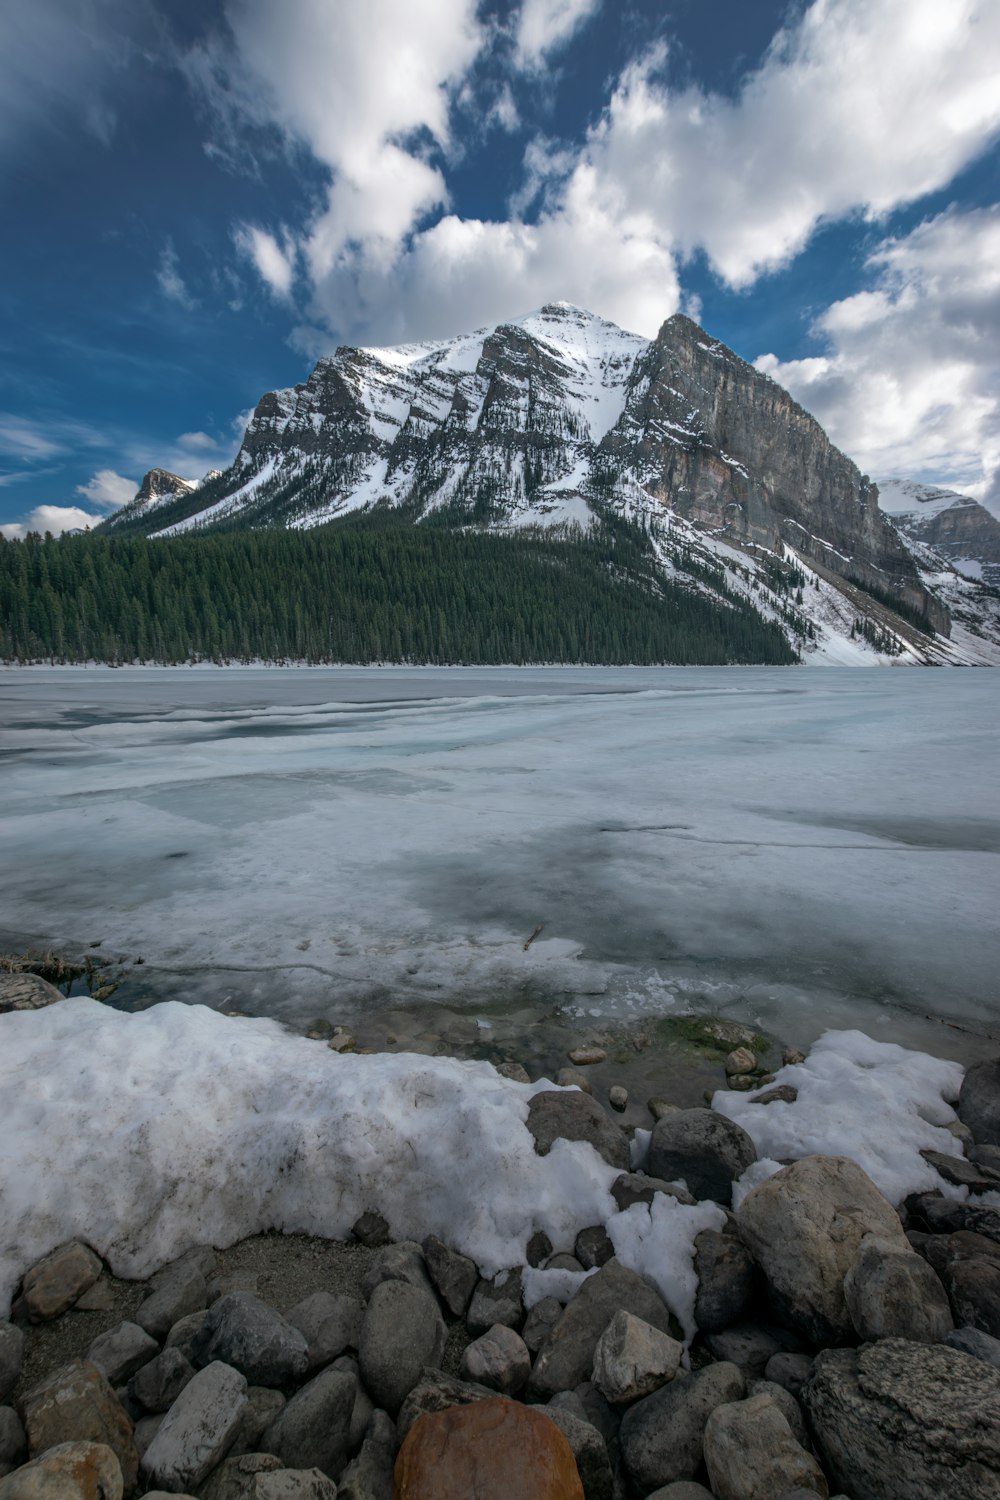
[(70, 1471), (492, 1450), (77, 1405)]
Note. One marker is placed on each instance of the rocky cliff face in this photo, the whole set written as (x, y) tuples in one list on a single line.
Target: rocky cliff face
[(956, 526), (159, 487)]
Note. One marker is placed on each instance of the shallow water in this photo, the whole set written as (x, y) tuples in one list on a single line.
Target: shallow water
[(800, 848)]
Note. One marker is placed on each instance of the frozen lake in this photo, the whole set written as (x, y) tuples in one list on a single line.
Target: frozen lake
[(802, 848)]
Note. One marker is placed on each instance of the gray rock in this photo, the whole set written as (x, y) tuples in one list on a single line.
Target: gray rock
[(177, 1291), (361, 1415), (401, 1262), (329, 1324), (804, 1227), (369, 1476), (787, 1404), (782, 1093), (436, 1391), (97, 1298), (201, 1258), (593, 1247), (955, 1169), (567, 1401), (727, 1279), (591, 1455), (68, 1471), (198, 1430), (402, 1333), (587, 1057), (372, 1230), (453, 1275), (293, 1484), (902, 1421), (636, 1187), (13, 1439), (156, 1386), (974, 1292), (751, 1453), (313, 1430), (567, 1356), (235, 1478), (538, 1249), (945, 1216), (563, 1261), (145, 1431), (985, 1156), (572, 1078), (11, 1355), (892, 1293), (706, 1149), (500, 1359), (973, 1341), (659, 1107), (184, 1332), (121, 1351), (498, 1301), (790, 1371), (264, 1407), (517, 1071), (633, 1359), (554, 1115), (979, 1102), (244, 1332), (54, 1283), (599, 1412), (662, 1436), (26, 992), (751, 1346), (540, 1322), (618, 1098)]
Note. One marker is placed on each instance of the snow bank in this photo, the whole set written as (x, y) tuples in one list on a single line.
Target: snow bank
[(144, 1134), (876, 1102)]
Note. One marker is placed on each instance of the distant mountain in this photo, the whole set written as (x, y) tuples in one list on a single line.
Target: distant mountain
[(956, 526), (559, 420), (158, 488)]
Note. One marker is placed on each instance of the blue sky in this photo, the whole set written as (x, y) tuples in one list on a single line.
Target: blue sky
[(201, 199)]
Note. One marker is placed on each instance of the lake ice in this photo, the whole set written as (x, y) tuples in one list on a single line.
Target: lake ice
[(803, 848)]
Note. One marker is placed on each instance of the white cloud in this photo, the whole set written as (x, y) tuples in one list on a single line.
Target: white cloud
[(910, 382), (108, 490), (545, 25), (54, 518), (275, 263), (170, 281), (197, 442)]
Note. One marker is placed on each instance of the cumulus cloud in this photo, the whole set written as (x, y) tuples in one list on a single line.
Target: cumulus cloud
[(275, 263), (54, 518), (545, 25), (908, 383), (108, 490)]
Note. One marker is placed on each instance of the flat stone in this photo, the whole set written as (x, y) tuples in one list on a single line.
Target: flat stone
[(435, 1391), (369, 1475), (636, 1187), (567, 1356), (493, 1450), (498, 1301), (662, 1436), (555, 1115), (11, 1357), (587, 1057), (329, 1324), (403, 1332), (313, 1430), (704, 1148), (973, 1341), (403, 1261), (979, 1101), (372, 1230), (804, 1227), (633, 1359), (76, 1404), (454, 1276), (752, 1454), (782, 1093), (245, 1333), (13, 1438), (589, 1451), (892, 1292), (53, 1284), (955, 1169), (176, 1292), (121, 1351), (593, 1247), (26, 992), (727, 1279), (198, 1430), (499, 1359), (903, 1421), (68, 1471), (156, 1386)]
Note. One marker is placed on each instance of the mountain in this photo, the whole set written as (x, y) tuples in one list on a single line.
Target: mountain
[(158, 488), (955, 525), (560, 420)]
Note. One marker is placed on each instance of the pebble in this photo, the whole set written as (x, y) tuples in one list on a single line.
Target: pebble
[(741, 1060), (618, 1098)]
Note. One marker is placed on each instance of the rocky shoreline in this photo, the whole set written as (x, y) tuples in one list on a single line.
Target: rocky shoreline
[(809, 1336)]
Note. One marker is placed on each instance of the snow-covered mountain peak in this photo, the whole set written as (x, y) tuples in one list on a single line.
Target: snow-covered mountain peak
[(898, 497)]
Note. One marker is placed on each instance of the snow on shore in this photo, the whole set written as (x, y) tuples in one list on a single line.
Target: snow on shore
[(145, 1134)]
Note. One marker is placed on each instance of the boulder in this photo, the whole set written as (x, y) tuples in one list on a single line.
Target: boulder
[(53, 1284), (589, 1451), (636, 1187), (13, 1438), (329, 1324), (567, 1356), (11, 1356), (198, 1430), (184, 1332), (369, 1476), (236, 1477), (264, 1406), (76, 1404), (557, 1115), (176, 1292), (662, 1436), (402, 1332), (400, 1262), (791, 1371), (804, 1227), (540, 1322), (313, 1429), (69, 1471), (593, 1247), (498, 1301), (727, 1279), (499, 1359), (706, 1149), (454, 1276), (945, 1216), (435, 1391), (787, 1404), (245, 1333), (121, 1351), (979, 1102), (973, 1341), (26, 992), (752, 1346), (494, 1450), (752, 1454), (633, 1359), (974, 1292), (293, 1484), (892, 1293), (156, 1386), (902, 1421)]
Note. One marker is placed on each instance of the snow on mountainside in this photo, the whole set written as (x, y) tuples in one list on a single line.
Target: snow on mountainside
[(957, 526), (559, 419)]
